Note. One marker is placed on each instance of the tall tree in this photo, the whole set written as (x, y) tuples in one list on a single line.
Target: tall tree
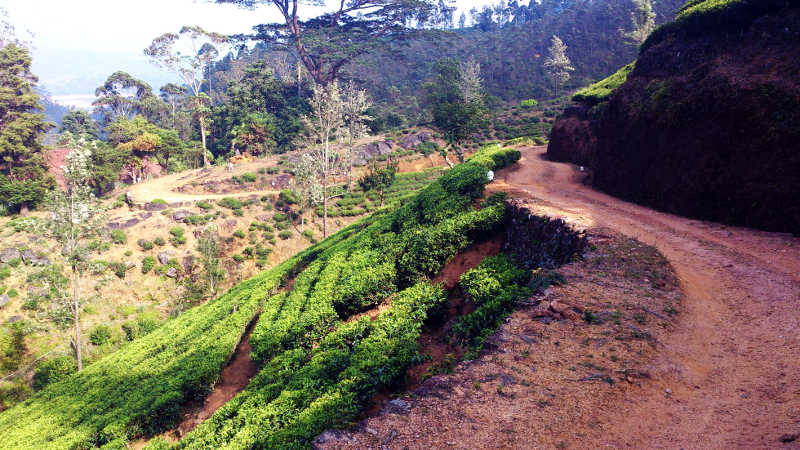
[(355, 104), (322, 126), (557, 64), (75, 217), (643, 19), (305, 186), (192, 68), (80, 124), (325, 44), (23, 177), (122, 96)]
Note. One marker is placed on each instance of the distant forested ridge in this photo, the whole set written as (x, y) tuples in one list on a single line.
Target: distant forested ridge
[(510, 42)]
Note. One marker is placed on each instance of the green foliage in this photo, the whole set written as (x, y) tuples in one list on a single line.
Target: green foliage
[(239, 234), (285, 234), (231, 203), (493, 287), (148, 263), (5, 272), (202, 204), (159, 241), (602, 90), (53, 371), (528, 104), (118, 268), (100, 334), (119, 237), (177, 236), (14, 262), (145, 244), (159, 201), (12, 293), (289, 197)]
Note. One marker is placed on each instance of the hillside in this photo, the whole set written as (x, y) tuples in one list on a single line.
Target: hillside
[(705, 123)]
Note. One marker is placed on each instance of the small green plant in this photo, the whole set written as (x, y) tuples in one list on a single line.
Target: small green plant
[(285, 235), (119, 237), (118, 268), (5, 272), (100, 334), (145, 244), (529, 103), (159, 201), (128, 253), (15, 262), (177, 236), (239, 234), (12, 293), (238, 258), (148, 263), (202, 204)]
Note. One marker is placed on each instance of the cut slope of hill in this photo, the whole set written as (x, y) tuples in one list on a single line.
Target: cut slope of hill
[(707, 123)]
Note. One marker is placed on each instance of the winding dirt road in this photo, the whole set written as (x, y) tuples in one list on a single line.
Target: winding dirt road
[(732, 367)]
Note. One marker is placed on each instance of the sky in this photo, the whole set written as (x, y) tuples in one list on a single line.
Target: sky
[(79, 43)]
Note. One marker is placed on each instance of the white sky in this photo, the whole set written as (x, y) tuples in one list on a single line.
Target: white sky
[(79, 43)]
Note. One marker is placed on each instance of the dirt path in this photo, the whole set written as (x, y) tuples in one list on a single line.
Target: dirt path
[(163, 188), (733, 364)]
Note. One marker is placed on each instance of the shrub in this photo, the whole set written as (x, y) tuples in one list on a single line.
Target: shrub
[(148, 263), (15, 262), (177, 238), (118, 268), (231, 203), (159, 241), (5, 272), (159, 201), (12, 293), (238, 258), (145, 244), (239, 234), (100, 334), (285, 235), (119, 237), (529, 103), (53, 371), (289, 197), (202, 204)]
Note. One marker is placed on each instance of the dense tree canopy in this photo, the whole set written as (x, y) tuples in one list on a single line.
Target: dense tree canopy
[(23, 177)]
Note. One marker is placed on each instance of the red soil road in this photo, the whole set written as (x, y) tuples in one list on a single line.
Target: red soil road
[(733, 363)]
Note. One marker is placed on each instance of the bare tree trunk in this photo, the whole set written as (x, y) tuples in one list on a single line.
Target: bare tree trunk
[(76, 308), (203, 139), (324, 211)]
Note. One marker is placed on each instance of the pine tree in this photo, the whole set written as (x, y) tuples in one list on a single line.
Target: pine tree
[(23, 177)]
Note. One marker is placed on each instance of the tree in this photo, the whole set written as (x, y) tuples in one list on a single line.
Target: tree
[(644, 21), (80, 124), (557, 64), (327, 43), (23, 177), (354, 108), (75, 217), (457, 101), (305, 186), (325, 122), (208, 246), (121, 97), (379, 179), (192, 68)]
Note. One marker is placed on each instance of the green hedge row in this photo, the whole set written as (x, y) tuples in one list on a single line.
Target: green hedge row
[(493, 287), (301, 393)]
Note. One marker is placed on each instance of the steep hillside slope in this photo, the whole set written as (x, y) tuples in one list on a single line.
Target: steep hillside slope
[(706, 124)]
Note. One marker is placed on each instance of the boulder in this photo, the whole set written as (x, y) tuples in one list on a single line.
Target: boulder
[(163, 258), (122, 225), (172, 272), (282, 181), (188, 263), (155, 206), (32, 259), (181, 215), (414, 140), (4, 299), (8, 254), (14, 319), (397, 406), (367, 152), (130, 265)]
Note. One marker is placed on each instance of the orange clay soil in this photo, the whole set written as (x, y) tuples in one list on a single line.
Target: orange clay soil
[(698, 350)]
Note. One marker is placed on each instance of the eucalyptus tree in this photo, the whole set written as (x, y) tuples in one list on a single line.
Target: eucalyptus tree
[(121, 96), (557, 64), (327, 43), (355, 104), (75, 218), (202, 49)]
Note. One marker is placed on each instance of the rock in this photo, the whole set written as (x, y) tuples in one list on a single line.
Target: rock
[(30, 258), (130, 265), (146, 215), (37, 292), (122, 225), (8, 254), (229, 225), (188, 263), (4, 299), (163, 258), (396, 406), (367, 152), (786, 438), (571, 315), (172, 272), (27, 256), (181, 215), (14, 319), (558, 307), (155, 206), (331, 436), (414, 140), (437, 386), (281, 181), (541, 310)]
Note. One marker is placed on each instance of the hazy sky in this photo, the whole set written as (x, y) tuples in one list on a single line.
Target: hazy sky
[(79, 43)]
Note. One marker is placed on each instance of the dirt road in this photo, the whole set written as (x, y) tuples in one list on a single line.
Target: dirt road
[(732, 367)]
